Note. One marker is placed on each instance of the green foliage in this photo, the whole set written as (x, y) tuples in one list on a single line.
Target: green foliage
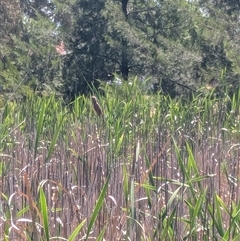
[(182, 46), (76, 231), (87, 60), (30, 60), (44, 211), (98, 207), (156, 167)]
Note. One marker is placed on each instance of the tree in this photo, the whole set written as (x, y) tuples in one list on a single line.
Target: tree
[(32, 8), (181, 45), (218, 38), (10, 27), (153, 34), (29, 57), (88, 59)]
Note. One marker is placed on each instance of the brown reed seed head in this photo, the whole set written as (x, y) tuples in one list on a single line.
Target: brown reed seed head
[(96, 106)]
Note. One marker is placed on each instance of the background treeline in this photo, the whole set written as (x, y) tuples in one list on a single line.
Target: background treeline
[(179, 45)]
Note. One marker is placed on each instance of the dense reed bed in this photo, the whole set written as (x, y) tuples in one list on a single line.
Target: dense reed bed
[(148, 168)]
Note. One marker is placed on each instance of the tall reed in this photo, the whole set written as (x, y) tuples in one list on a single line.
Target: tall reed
[(150, 168)]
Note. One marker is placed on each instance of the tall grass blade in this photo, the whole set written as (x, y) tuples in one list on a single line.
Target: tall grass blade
[(76, 231), (100, 236), (98, 206), (168, 232), (125, 183), (132, 200), (40, 122), (218, 218), (196, 213), (44, 210), (55, 137)]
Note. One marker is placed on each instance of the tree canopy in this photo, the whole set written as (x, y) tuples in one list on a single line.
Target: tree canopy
[(180, 46)]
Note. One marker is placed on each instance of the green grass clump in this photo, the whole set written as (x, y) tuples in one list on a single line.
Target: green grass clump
[(149, 168)]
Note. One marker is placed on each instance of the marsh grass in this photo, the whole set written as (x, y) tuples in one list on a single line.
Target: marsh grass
[(154, 169)]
